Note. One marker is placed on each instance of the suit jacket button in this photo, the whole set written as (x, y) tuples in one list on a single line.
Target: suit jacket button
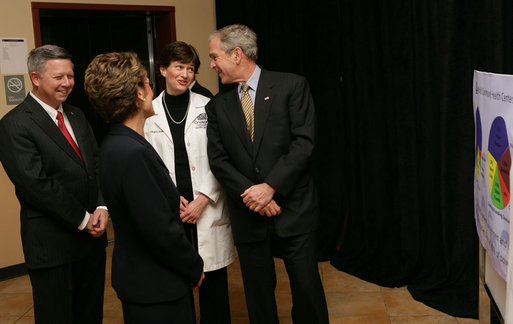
[(257, 170)]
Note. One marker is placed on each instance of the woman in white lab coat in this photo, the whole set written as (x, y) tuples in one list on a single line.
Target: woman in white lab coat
[(178, 134)]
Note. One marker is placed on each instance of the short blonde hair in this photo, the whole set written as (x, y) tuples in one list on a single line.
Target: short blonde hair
[(111, 81)]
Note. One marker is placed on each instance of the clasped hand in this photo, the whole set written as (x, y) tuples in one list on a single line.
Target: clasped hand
[(97, 222), (190, 212), (259, 198)]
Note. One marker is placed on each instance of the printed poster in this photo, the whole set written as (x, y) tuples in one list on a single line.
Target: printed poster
[(493, 117)]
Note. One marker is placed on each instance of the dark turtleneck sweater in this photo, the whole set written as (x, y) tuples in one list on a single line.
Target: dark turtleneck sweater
[(177, 107)]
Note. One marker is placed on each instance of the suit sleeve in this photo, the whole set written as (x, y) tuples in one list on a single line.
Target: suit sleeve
[(292, 165), (153, 217), (19, 153), (96, 158), (221, 165)]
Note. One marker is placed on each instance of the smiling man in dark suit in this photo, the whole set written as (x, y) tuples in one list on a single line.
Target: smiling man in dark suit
[(50, 154), (260, 143)]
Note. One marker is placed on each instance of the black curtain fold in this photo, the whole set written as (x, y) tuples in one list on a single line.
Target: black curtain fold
[(392, 84)]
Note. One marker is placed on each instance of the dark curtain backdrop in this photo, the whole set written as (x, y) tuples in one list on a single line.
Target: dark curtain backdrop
[(392, 84)]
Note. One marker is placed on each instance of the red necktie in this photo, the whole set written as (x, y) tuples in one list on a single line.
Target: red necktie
[(64, 130)]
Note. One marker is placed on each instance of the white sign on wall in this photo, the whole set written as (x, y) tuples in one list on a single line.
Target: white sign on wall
[(13, 56)]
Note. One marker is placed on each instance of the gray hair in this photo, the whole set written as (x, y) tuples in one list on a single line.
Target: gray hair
[(37, 58), (233, 36)]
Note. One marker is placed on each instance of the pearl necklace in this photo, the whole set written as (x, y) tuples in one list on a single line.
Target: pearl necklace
[(167, 111)]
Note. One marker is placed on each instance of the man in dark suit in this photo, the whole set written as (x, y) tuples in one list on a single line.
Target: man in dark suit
[(262, 159), (50, 154)]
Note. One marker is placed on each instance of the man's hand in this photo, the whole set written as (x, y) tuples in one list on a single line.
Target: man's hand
[(191, 212), (272, 209), (257, 197), (97, 222)]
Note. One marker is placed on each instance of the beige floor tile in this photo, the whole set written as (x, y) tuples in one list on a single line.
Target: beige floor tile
[(423, 320), (16, 285), (108, 290), (108, 264), (238, 305), (285, 319), (110, 230), (356, 304), (350, 300), (13, 304), (235, 277), (399, 302), (116, 320), (345, 283), (25, 320), (334, 279), (195, 292), (284, 304), (29, 313), (8, 319), (282, 277), (360, 320), (112, 307)]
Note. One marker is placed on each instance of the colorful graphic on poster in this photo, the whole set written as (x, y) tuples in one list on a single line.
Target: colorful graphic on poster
[(499, 163), (479, 143), (493, 117)]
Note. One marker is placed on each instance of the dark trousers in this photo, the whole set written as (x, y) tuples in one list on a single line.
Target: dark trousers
[(299, 254), (71, 293), (213, 293), (213, 298), (180, 311)]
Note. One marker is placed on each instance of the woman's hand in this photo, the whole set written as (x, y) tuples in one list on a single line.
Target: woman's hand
[(190, 212)]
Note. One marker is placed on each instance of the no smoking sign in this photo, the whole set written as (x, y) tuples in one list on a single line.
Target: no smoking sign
[(14, 89)]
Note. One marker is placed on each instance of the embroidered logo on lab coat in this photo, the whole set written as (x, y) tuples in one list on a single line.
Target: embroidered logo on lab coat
[(201, 121)]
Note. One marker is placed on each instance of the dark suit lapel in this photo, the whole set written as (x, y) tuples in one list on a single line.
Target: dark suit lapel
[(41, 118), (234, 113), (263, 102)]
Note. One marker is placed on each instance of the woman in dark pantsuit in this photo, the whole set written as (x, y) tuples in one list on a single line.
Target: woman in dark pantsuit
[(153, 266)]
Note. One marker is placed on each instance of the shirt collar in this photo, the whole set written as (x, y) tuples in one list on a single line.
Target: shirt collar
[(49, 109), (253, 79)]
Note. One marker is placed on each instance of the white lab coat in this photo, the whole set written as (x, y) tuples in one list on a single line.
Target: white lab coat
[(215, 241)]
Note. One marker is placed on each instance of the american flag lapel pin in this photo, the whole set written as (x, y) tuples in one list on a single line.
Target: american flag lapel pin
[(266, 98)]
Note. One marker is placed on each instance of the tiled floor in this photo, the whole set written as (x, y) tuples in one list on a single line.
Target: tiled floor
[(350, 300)]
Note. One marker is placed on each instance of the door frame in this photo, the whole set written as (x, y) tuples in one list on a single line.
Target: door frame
[(165, 27)]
